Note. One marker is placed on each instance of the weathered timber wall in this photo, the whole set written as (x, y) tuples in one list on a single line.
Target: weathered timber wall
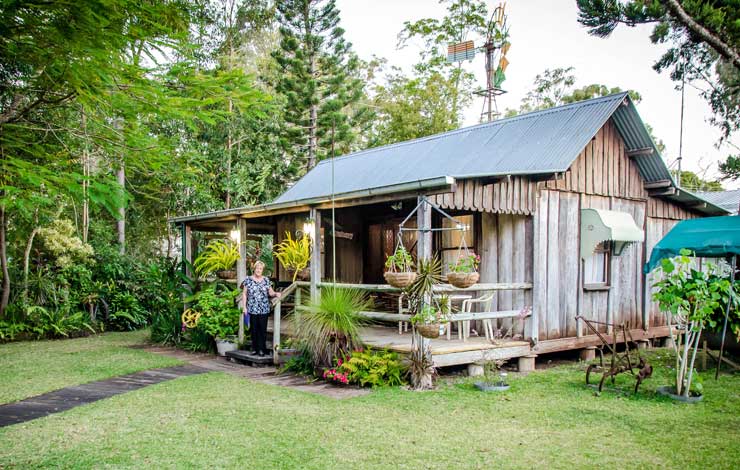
[(506, 249), (509, 196), (603, 168)]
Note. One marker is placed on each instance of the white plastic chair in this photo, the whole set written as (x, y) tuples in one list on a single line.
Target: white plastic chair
[(467, 307)]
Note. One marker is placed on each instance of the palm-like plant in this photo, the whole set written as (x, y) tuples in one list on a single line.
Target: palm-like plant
[(330, 325), (294, 254), (218, 255)]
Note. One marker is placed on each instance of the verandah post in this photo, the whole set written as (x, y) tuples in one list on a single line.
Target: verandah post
[(424, 252), (241, 269), (315, 216)]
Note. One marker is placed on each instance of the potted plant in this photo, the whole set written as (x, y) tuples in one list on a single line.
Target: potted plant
[(220, 257), (294, 255), (429, 320), (464, 272), (689, 297), (219, 317), (494, 379), (399, 269)]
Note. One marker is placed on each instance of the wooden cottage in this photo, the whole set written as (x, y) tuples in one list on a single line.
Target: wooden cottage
[(564, 206)]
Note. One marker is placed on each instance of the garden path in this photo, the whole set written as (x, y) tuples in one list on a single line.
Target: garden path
[(267, 375), (71, 397)]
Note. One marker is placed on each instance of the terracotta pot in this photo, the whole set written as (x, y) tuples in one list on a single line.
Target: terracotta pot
[(400, 280), (462, 280), (428, 330), (228, 274)]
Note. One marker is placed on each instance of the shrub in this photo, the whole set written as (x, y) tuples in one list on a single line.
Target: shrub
[(219, 317), (329, 326), (373, 368), (57, 322)]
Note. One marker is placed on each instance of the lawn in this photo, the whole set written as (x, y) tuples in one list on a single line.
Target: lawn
[(33, 367), (548, 419)]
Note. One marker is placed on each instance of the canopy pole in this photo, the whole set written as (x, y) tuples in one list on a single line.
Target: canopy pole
[(727, 314)]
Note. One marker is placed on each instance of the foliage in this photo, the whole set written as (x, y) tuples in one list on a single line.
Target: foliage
[(294, 254), (301, 364), (429, 273), (466, 264), (704, 39), (164, 300), (330, 325), (57, 322), (694, 182), (400, 261), (9, 330), (373, 368), (61, 242), (218, 255), (318, 79), (436, 312), (126, 312), (689, 297), (219, 316)]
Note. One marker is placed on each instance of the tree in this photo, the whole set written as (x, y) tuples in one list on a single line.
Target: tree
[(694, 182), (464, 19), (704, 38), (409, 108), (318, 81)]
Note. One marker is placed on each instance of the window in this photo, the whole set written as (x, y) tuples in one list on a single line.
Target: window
[(450, 240), (596, 266)]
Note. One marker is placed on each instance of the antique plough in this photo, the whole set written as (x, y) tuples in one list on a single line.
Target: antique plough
[(620, 361)]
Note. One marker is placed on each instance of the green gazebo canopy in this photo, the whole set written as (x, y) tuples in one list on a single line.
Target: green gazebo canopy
[(709, 237)]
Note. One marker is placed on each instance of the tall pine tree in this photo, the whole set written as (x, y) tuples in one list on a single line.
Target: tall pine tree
[(318, 78)]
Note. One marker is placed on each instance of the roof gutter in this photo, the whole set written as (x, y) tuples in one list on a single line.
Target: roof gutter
[(442, 182)]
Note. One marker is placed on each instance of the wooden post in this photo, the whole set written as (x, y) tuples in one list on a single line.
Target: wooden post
[(187, 248), (241, 270), (315, 215), (424, 252), (276, 332)]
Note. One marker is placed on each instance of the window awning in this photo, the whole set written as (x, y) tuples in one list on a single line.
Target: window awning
[(598, 225)]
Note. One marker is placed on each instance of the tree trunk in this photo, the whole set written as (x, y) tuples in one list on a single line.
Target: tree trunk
[(121, 222), (4, 262), (313, 110), (85, 181), (27, 261)]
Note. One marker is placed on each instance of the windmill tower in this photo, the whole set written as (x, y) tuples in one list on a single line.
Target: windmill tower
[(495, 47)]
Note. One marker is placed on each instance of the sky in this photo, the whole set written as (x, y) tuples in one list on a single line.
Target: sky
[(546, 34)]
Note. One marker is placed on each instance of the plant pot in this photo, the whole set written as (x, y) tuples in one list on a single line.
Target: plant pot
[(228, 274), (223, 346), (491, 387), (400, 280), (463, 280), (303, 275), (284, 355), (428, 330), (669, 391)]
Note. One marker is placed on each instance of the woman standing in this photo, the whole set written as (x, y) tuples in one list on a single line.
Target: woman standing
[(256, 294)]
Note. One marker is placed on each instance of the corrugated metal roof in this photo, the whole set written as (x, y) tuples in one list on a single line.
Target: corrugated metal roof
[(535, 143), (728, 200)]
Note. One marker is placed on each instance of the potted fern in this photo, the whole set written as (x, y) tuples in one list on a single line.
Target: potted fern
[(220, 257), (399, 269), (294, 255)]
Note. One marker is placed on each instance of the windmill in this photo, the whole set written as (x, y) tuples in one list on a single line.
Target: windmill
[(495, 48)]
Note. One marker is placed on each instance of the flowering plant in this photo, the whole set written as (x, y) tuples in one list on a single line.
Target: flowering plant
[(466, 264), (432, 314), (335, 374)]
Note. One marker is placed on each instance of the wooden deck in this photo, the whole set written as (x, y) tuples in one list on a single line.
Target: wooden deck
[(444, 352)]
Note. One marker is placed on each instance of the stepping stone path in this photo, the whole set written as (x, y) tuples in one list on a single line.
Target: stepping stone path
[(71, 397), (263, 374)]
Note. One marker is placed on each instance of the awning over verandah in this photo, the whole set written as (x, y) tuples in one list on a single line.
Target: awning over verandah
[(709, 237)]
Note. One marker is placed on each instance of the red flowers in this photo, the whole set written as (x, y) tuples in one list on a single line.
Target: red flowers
[(336, 376)]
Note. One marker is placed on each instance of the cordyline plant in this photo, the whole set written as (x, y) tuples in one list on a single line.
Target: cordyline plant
[(689, 297)]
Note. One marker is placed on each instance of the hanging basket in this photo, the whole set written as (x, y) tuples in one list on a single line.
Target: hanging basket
[(463, 280), (428, 330), (400, 280), (227, 274)]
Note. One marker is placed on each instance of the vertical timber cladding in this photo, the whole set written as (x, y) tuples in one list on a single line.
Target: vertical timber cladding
[(515, 195), (601, 177), (661, 217), (506, 251)]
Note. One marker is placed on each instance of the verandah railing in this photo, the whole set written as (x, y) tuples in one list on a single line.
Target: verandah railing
[(297, 290)]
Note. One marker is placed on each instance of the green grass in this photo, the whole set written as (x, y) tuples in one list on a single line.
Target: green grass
[(548, 419), (33, 367)]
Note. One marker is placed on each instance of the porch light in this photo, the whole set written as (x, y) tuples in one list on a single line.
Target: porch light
[(309, 228), (235, 235)]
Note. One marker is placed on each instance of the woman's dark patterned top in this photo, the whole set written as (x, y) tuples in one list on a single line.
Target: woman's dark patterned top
[(258, 295)]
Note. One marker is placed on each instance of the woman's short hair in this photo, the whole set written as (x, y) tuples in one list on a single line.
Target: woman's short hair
[(259, 263)]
